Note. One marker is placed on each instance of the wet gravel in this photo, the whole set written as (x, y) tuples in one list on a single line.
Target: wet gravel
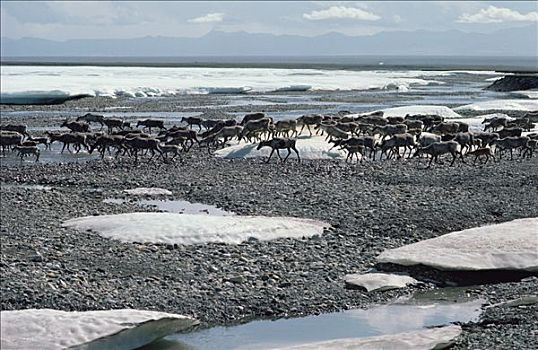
[(371, 207)]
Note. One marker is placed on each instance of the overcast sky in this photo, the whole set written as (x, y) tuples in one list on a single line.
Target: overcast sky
[(124, 19)]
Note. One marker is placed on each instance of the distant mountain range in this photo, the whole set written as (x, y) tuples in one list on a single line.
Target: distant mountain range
[(521, 41)]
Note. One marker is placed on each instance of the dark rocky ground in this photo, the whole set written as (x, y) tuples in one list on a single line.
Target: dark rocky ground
[(371, 207)]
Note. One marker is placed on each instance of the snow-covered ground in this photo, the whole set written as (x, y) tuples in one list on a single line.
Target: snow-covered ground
[(508, 246), (47, 329), (192, 229), (309, 148), (426, 339)]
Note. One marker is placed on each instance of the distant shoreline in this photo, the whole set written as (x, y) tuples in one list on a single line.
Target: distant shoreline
[(500, 64)]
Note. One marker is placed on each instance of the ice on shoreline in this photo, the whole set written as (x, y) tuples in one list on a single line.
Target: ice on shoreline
[(168, 81), (171, 228), (49, 329), (507, 246)]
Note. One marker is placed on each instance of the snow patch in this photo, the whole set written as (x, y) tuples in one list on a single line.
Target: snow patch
[(426, 339), (148, 191), (48, 329), (507, 105), (507, 246), (379, 281), (309, 148), (170, 228)]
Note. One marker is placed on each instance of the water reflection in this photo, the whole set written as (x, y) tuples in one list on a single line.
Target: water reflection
[(380, 320), (175, 206)]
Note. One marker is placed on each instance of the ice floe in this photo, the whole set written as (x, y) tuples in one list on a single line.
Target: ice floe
[(48, 329), (38, 97), (151, 81), (309, 148), (379, 281), (426, 339), (192, 229), (508, 246), (148, 191), (507, 105)]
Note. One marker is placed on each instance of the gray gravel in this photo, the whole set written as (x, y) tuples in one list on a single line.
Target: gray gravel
[(371, 207)]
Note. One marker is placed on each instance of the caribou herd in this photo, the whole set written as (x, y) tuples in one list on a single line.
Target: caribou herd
[(367, 136)]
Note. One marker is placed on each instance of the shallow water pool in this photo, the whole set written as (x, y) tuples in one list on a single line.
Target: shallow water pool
[(176, 206), (394, 318)]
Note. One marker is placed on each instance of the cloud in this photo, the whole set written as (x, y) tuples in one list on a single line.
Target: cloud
[(494, 14), (341, 12), (209, 18)]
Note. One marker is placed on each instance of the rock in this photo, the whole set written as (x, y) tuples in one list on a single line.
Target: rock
[(514, 83), (236, 279), (36, 257)]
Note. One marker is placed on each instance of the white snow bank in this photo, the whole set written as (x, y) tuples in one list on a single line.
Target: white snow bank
[(148, 191), (508, 105), (425, 339), (507, 246), (48, 329), (192, 229), (309, 148), (443, 111), (379, 281)]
